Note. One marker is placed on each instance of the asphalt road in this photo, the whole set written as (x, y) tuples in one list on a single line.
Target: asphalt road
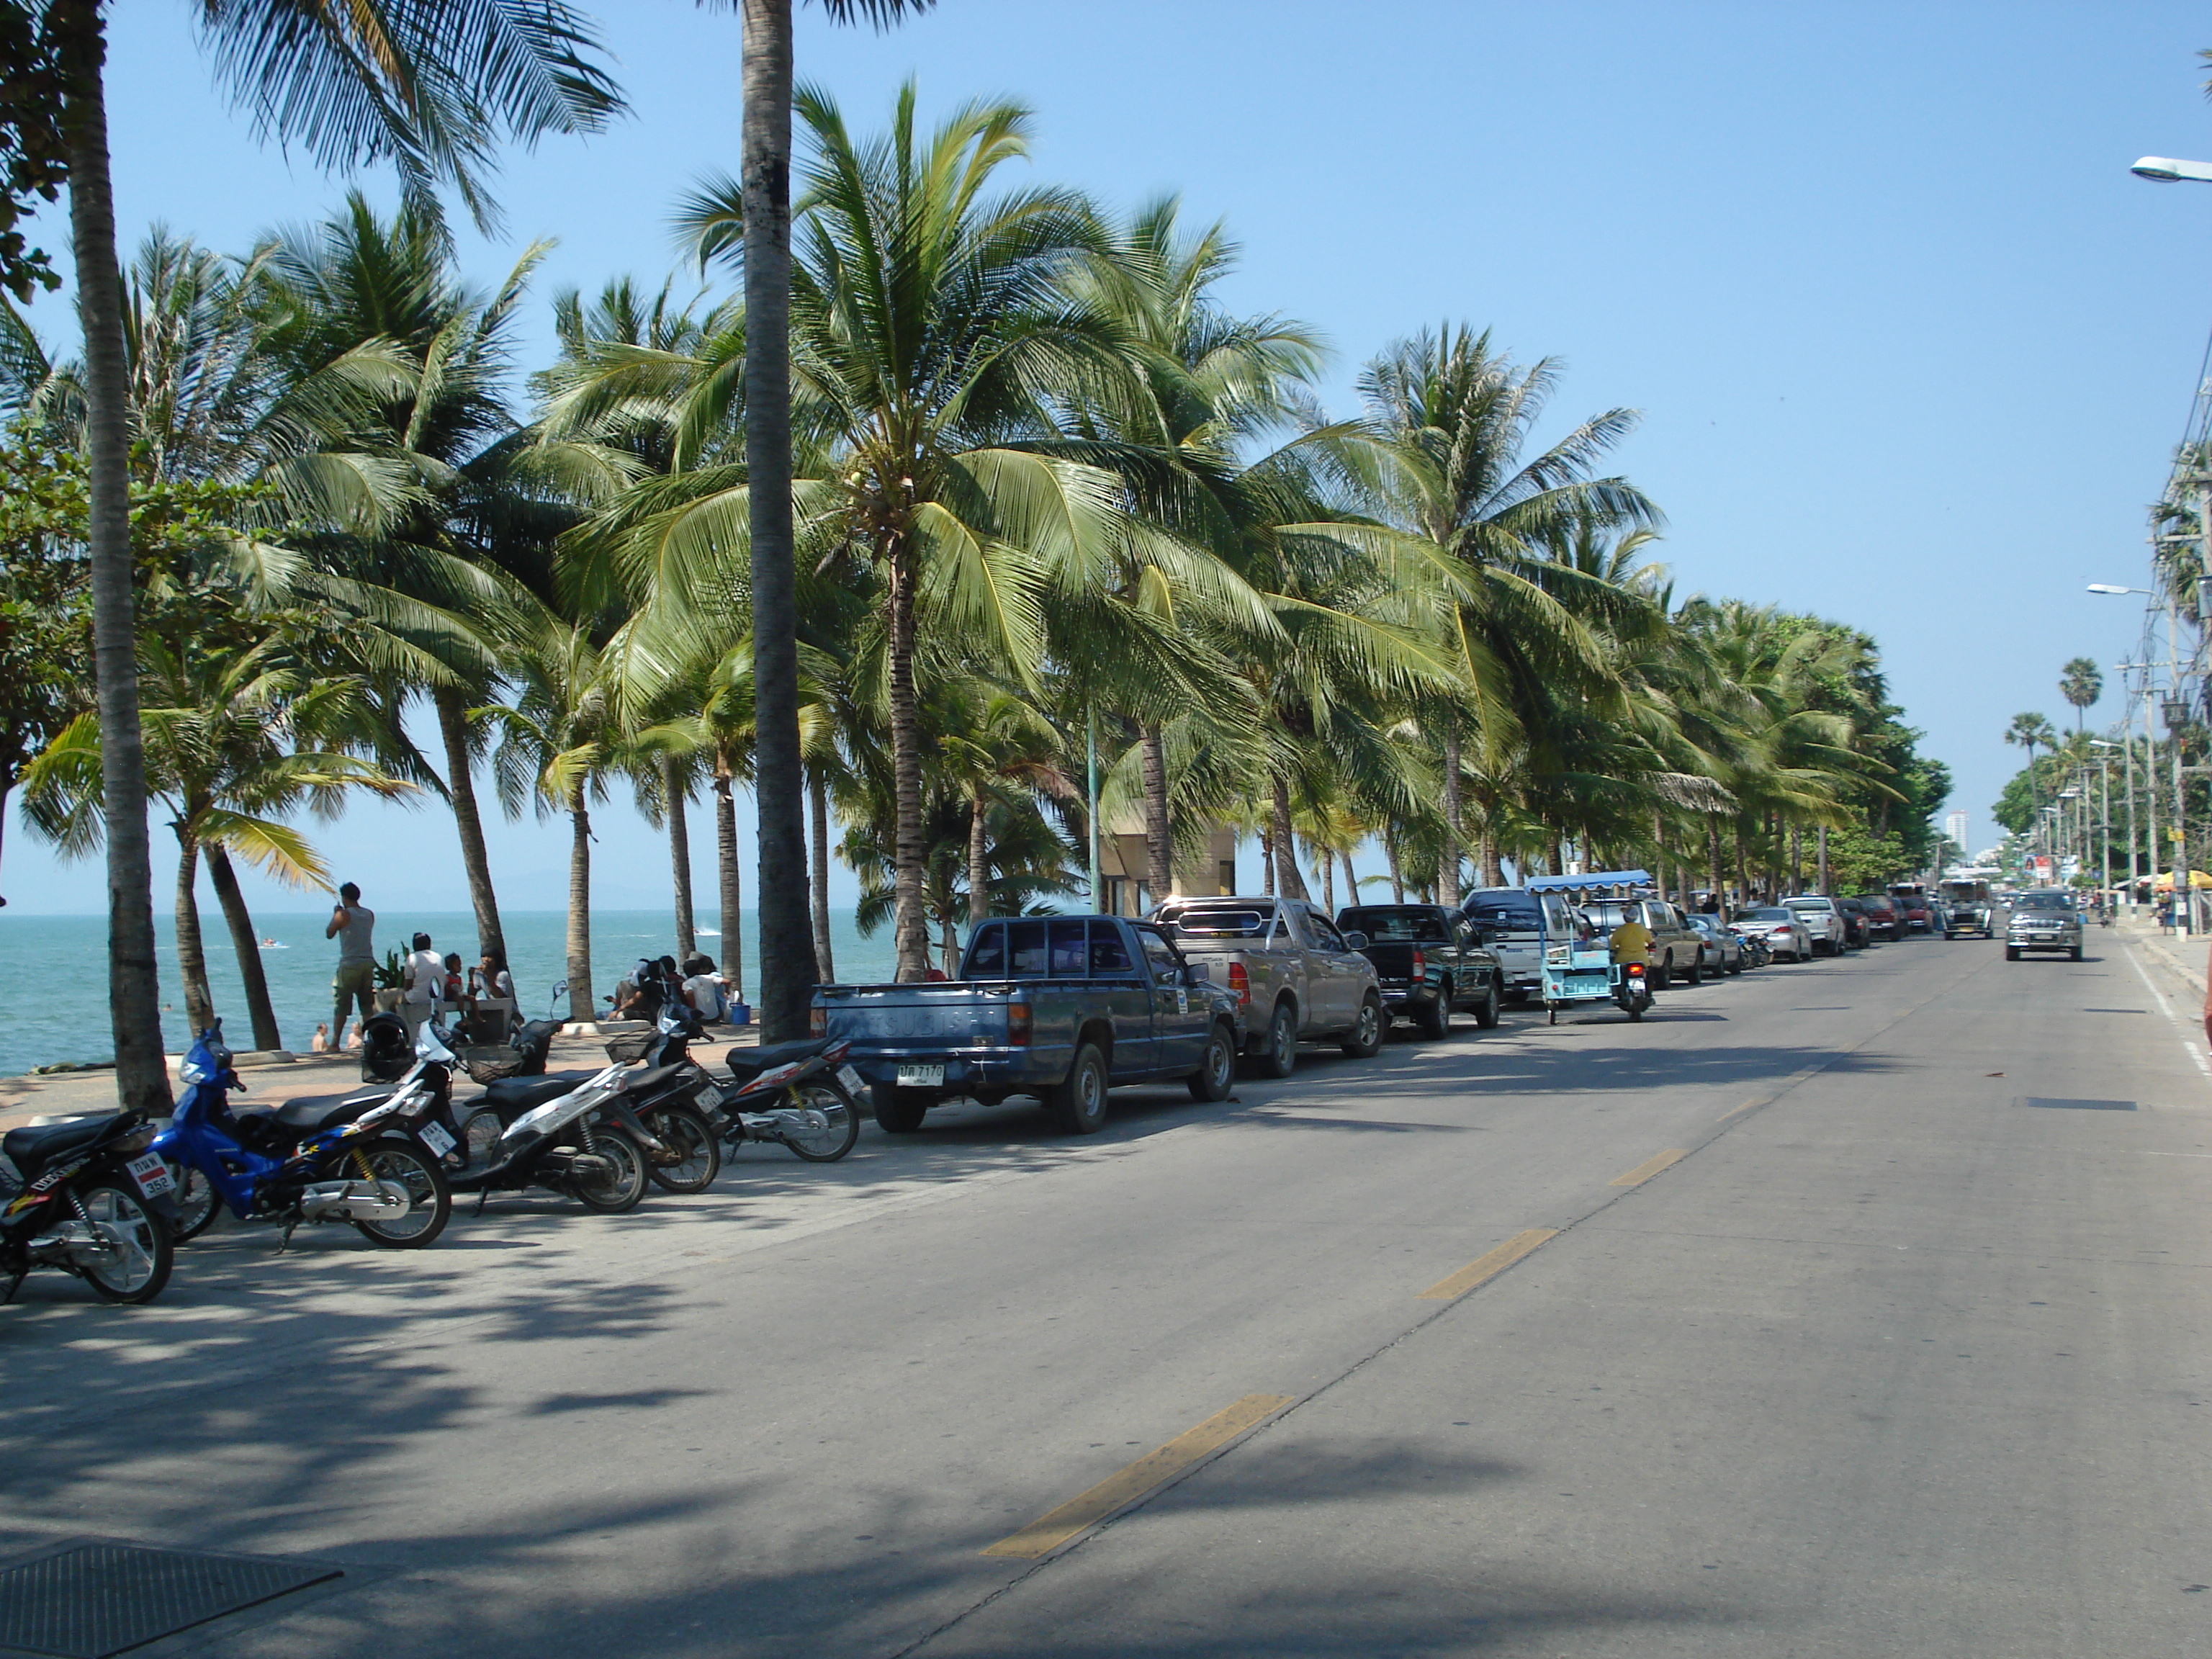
[(1816, 1338)]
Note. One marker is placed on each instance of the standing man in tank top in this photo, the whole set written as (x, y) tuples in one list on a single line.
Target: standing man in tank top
[(351, 924)]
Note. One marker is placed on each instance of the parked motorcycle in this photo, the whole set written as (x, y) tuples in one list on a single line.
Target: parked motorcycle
[(90, 1199), (1631, 988), (563, 1136), (368, 1160)]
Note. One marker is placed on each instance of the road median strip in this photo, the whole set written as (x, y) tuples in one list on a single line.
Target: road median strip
[(1484, 1268), (1643, 1172), (1055, 1527)]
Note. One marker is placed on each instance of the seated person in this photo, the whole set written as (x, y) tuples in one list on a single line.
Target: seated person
[(639, 996), (702, 986), (491, 988)]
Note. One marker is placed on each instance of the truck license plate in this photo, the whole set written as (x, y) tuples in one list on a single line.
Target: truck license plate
[(850, 1079), (920, 1076), (152, 1175)]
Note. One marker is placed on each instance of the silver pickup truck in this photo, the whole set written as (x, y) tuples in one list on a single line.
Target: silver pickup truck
[(1295, 978)]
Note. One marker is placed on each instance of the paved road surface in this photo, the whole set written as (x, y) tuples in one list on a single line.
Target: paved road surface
[(1883, 1361)]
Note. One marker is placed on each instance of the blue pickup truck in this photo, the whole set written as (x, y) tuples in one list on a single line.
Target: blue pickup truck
[(1059, 1007)]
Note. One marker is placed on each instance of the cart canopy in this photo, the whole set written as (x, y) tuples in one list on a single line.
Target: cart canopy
[(1595, 878)]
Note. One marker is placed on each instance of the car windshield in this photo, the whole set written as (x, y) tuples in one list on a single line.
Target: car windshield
[(1216, 922), (1771, 912), (1413, 924), (1507, 908), (2046, 902)]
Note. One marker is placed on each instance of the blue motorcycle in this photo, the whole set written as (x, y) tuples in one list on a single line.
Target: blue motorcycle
[(360, 1160)]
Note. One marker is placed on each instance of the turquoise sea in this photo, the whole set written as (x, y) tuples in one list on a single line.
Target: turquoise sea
[(55, 968)]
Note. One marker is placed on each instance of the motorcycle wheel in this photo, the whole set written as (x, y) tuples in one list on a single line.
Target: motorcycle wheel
[(1636, 1013), (699, 1155), (615, 1194), (430, 1199), (196, 1202), (480, 1133), (145, 1250), (825, 1146)]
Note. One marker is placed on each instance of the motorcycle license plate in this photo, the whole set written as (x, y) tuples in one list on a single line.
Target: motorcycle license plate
[(851, 1079), (152, 1175), (435, 1137), (920, 1077)]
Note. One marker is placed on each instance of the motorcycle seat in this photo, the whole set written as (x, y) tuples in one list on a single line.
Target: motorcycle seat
[(312, 1114), (639, 1083), (519, 1094), (32, 1148), (746, 1064)]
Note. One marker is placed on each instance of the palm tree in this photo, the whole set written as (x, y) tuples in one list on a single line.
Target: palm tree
[(764, 200), (2080, 682), (2031, 732), (426, 86), (558, 742)]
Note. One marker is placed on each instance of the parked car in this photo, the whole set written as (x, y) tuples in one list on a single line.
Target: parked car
[(1858, 933), (1062, 1007), (1822, 920), (1783, 930), (1912, 898), (2045, 919), (1722, 941), (1510, 922), (1295, 977), (1429, 960), (1882, 917), (1676, 947)]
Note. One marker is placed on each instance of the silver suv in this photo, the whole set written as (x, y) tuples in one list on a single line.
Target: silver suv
[(2047, 919)]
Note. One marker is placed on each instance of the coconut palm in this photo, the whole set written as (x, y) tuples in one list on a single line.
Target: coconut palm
[(427, 86)]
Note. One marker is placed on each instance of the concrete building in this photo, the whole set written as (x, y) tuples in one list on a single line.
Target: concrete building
[(1211, 872)]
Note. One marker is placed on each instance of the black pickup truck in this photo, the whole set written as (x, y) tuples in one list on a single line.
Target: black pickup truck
[(1060, 1007), (1431, 960)]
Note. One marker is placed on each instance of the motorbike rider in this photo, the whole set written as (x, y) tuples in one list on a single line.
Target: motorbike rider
[(1631, 941)]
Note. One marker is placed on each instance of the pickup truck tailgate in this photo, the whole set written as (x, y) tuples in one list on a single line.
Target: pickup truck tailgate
[(903, 1020)]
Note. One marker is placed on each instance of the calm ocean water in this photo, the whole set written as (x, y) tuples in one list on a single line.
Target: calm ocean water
[(56, 968)]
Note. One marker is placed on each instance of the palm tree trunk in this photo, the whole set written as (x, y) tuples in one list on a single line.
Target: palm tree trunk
[(1659, 850), (1267, 862), (1289, 884), (1327, 879), (672, 787), (1823, 833), (1797, 858), (731, 885), (1159, 840), (461, 790), (192, 956), (1713, 866), (1448, 866), (1397, 876), (134, 1000), (1494, 867), (583, 1005), (818, 791), (979, 859), (788, 968), (911, 928), (243, 939), (1743, 867), (1351, 881)]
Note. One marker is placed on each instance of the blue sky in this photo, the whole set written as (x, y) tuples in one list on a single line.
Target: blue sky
[(1911, 345)]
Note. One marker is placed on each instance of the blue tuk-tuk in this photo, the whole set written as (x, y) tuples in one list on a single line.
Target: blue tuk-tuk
[(1577, 967)]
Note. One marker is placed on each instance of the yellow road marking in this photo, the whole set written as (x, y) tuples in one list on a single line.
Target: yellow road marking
[(1745, 1107), (1643, 1172), (1055, 1527), (1482, 1270)]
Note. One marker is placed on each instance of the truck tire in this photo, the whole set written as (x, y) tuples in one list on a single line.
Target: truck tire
[(1217, 1071), (2012, 953), (899, 1111), (1432, 1018), (1487, 1011), (1277, 1053), (1364, 1040), (1076, 1105), (1697, 974)]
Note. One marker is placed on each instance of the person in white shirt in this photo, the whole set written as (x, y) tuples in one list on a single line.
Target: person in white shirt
[(424, 976), (702, 986)]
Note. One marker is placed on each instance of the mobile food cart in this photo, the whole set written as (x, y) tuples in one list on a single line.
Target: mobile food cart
[(1579, 968)]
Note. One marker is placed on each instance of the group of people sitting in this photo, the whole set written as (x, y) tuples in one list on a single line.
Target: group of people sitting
[(652, 985)]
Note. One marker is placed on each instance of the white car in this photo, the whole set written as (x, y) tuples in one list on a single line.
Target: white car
[(1823, 920), (1783, 930)]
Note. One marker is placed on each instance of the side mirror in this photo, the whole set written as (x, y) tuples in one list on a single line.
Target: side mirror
[(1355, 941), (1197, 973)]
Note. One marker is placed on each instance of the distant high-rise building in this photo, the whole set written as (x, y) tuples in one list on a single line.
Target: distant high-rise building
[(1954, 827)]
